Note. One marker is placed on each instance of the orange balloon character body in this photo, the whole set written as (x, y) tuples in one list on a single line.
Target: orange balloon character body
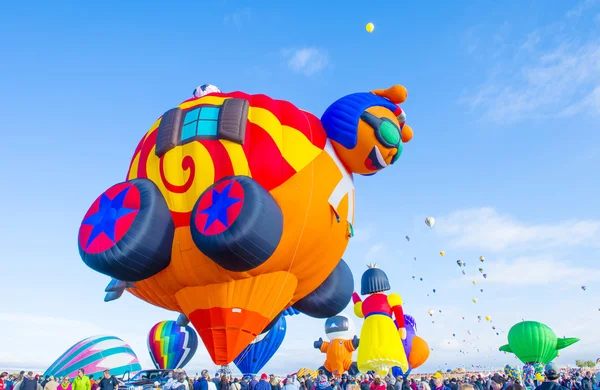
[(342, 343), (229, 200)]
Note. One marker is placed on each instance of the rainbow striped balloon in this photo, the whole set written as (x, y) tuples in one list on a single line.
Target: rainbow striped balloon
[(94, 355), (171, 346)]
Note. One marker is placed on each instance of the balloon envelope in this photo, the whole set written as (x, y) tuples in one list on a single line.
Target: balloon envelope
[(171, 346), (94, 355), (534, 342), (254, 357), (370, 27)]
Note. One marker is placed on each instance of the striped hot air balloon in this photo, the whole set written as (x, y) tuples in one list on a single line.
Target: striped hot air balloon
[(94, 355), (171, 346)]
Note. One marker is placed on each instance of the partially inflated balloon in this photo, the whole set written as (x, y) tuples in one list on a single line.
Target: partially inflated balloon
[(534, 342), (171, 346), (254, 357), (370, 27), (94, 355)]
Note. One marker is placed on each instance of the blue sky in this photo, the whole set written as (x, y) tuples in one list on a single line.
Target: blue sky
[(504, 98)]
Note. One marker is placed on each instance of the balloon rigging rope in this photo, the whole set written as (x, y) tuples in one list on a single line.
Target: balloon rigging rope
[(312, 184)]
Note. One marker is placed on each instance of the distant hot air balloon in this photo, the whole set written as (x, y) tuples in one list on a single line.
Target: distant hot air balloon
[(430, 221), (415, 258), (459, 262), (481, 258), (430, 312), (488, 318), (254, 357), (440, 310), (474, 282), (171, 346), (481, 270), (442, 253), (421, 279), (474, 300), (485, 276), (479, 318), (413, 278), (370, 27), (94, 355), (583, 288), (407, 238), (481, 290), (463, 272), (434, 290)]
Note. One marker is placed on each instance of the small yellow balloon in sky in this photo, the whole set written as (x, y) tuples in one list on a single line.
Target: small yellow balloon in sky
[(370, 27)]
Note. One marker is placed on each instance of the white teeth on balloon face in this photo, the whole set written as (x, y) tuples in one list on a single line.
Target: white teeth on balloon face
[(380, 157)]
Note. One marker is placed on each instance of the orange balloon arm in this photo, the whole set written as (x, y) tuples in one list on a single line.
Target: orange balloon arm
[(324, 346), (399, 315), (349, 346)]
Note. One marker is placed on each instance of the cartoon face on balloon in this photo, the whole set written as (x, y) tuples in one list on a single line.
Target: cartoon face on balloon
[(376, 141), (340, 327)]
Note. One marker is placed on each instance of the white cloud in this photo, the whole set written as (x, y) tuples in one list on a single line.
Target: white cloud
[(580, 8), (308, 60), (486, 229), (539, 270), (562, 80), (238, 17), (532, 40)]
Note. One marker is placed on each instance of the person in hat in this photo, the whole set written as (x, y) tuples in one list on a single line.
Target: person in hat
[(263, 383), (497, 382), (380, 337), (552, 372), (438, 382)]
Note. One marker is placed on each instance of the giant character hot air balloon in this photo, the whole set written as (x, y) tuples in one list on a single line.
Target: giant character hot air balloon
[(171, 346), (228, 201), (533, 342), (342, 342), (96, 354), (254, 357), (416, 349), (380, 337)]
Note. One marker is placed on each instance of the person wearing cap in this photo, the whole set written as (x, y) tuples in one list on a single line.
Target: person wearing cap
[(263, 383), (552, 372), (438, 382)]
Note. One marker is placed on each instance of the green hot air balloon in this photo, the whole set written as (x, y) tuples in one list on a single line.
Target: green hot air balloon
[(534, 342)]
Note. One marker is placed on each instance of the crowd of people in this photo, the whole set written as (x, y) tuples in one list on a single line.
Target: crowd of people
[(28, 381), (555, 379)]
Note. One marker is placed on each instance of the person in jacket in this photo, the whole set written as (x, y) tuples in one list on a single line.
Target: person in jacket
[(252, 383), (274, 382), (290, 383), (81, 382), (223, 383), (202, 382), (51, 384), (438, 382), (552, 372), (586, 382), (244, 384), (65, 384), (378, 384), (108, 382), (28, 382), (263, 383)]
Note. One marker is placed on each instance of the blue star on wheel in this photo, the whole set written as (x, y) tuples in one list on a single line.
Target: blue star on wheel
[(217, 211), (109, 212)]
